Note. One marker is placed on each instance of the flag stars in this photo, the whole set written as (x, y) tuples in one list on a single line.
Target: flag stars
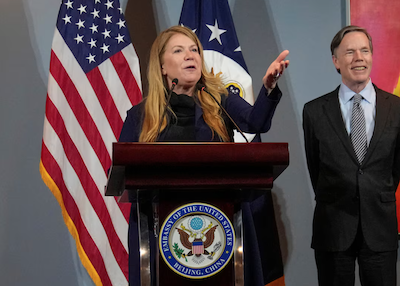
[(121, 23), (94, 28), (120, 38), (95, 13), (92, 43), (107, 19), (79, 39), (80, 24), (67, 19), (109, 4), (82, 9), (106, 34), (216, 32), (104, 48), (90, 58), (69, 4)]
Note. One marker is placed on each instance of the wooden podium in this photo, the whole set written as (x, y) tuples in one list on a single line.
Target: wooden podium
[(161, 177)]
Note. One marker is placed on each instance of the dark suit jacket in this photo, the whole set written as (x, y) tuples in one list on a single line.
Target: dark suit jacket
[(347, 193), (251, 119)]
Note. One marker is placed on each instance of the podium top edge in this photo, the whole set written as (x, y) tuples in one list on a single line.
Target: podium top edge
[(125, 154)]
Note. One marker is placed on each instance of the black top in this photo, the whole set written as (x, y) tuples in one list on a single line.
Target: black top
[(181, 126)]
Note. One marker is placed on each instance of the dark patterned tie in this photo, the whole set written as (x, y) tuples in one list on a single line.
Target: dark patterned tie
[(358, 132)]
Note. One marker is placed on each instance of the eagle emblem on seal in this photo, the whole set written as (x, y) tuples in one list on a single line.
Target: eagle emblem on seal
[(197, 238), (198, 246)]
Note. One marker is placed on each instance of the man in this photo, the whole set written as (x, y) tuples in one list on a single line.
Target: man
[(352, 142)]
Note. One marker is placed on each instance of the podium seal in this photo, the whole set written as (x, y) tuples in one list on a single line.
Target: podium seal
[(197, 240)]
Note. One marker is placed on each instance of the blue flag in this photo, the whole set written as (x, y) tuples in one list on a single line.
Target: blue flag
[(212, 22)]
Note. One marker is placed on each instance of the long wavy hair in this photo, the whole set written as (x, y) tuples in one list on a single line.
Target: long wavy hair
[(155, 101)]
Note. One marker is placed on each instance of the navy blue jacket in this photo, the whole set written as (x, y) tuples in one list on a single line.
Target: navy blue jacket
[(251, 119)]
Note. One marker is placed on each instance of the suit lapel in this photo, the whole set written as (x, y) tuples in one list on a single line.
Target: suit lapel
[(334, 114), (382, 112)]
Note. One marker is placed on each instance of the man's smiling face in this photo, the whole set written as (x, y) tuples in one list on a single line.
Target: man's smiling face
[(353, 57)]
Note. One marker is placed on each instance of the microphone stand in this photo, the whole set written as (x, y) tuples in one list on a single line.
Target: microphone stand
[(203, 88), (174, 83)]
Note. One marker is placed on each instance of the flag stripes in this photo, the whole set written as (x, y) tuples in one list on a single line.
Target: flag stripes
[(85, 109), (87, 182), (103, 94), (85, 91), (74, 223), (83, 189), (100, 148), (78, 107), (82, 236), (83, 194), (126, 77)]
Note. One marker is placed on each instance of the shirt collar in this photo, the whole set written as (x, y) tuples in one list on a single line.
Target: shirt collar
[(346, 94)]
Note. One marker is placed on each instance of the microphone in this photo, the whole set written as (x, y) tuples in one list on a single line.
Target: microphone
[(202, 87), (174, 83)]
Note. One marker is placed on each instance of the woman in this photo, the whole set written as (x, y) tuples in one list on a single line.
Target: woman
[(190, 113), (194, 115)]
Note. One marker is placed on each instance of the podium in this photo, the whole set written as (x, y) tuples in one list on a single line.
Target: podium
[(204, 184)]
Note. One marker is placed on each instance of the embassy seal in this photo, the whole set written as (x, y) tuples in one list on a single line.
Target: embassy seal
[(197, 240)]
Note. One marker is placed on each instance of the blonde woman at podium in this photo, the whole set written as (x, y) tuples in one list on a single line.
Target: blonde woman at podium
[(186, 103)]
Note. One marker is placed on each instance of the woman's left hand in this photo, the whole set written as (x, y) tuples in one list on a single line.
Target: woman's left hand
[(275, 71)]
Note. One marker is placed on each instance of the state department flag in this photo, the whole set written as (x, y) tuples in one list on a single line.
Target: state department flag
[(94, 79), (213, 24)]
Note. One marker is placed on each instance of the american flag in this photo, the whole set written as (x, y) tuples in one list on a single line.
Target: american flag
[(94, 79), (213, 24)]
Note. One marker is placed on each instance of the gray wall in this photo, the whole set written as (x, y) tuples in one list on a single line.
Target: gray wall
[(35, 247)]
